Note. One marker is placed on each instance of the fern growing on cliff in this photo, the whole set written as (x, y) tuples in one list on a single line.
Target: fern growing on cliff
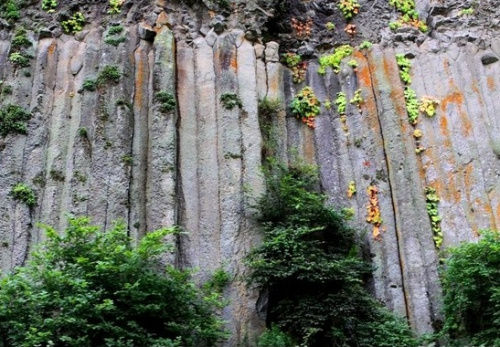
[(308, 266)]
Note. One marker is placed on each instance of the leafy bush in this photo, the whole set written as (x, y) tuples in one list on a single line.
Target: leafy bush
[(109, 74), (20, 40), (471, 285), (274, 337), (115, 6), (92, 288), (74, 24), (13, 119), (230, 101), (19, 59), (10, 9), (21, 192), (333, 60), (49, 5), (306, 106), (166, 100), (349, 8), (90, 85), (308, 264)]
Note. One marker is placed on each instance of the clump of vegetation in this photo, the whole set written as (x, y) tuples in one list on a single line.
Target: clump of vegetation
[(49, 5), (357, 99), (274, 337), (432, 201), (115, 6), (412, 106), (333, 60), (19, 59), (428, 106), (74, 24), (409, 15), (471, 285), (166, 100), (349, 8), (20, 39), (230, 101), (112, 36), (268, 110), (353, 63), (23, 193), (309, 265), (466, 11), (92, 288), (298, 67), (306, 106), (57, 175), (11, 9), (302, 29), (13, 119), (330, 26), (404, 68), (374, 216), (341, 102), (365, 45), (109, 74), (351, 189)]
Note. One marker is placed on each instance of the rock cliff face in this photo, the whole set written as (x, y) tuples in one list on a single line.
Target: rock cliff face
[(119, 153)]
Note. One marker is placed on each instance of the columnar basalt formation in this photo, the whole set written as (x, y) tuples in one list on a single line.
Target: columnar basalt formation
[(116, 153)]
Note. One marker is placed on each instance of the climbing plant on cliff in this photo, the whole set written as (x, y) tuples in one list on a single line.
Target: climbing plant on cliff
[(90, 288), (309, 267), (471, 285)]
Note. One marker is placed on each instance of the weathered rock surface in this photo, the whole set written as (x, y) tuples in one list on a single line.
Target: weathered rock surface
[(117, 154)]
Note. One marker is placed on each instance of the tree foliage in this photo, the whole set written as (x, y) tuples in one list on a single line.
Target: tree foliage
[(471, 284), (309, 265), (89, 288)]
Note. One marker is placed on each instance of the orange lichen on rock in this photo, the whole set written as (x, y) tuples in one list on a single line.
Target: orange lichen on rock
[(374, 217), (490, 81)]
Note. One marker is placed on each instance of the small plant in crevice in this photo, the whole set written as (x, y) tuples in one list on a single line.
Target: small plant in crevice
[(466, 11), (89, 85), (57, 175), (351, 189), (374, 216), (19, 40), (19, 59), (357, 99), (13, 119), (74, 24), (353, 63), (350, 29), (167, 101), (404, 68), (268, 110), (471, 288), (349, 8), (333, 60), (330, 26), (11, 9), (412, 106), (230, 101), (365, 45), (428, 106), (341, 102), (298, 67), (432, 201), (409, 15), (306, 106), (302, 29), (309, 266), (113, 35), (49, 5), (109, 74), (127, 160), (115, 6), (23, 193)]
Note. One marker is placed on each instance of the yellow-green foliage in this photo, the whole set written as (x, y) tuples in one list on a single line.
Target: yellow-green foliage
[(115, 6), (341, 102), (306, 106), (404, 68), (74, 24), (349, 8), (333, 60), (49, 5), (412, 106), (432, 210), (357, 99), (428, 106)]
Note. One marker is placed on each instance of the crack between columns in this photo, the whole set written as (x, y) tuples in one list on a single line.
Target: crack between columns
[(398, 236)]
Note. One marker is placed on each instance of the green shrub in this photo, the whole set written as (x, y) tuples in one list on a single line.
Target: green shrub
[(166, 100), (13, 119), (19, 59), (115, 41), (90, 85), (230, 101), (333, 60), (49, 5), (309, 265), (74, 24), (274, 337), (115, 30), (349, 8), (306, 106), (93, 288), (471, 285), (114, 6), (22, 192), (109, 74), (10, 9), (20, 40)]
